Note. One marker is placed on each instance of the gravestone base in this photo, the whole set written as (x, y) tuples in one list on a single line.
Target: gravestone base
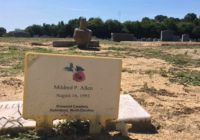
[(93, 45), (63, 43), (185, 38), (123, 128), (130, 112), (95, 128), (44, 124)]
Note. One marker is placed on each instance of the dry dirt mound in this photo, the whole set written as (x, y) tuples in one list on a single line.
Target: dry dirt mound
[(11, 88)]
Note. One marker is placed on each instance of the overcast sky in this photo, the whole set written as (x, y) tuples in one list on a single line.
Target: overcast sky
[(22, 13)]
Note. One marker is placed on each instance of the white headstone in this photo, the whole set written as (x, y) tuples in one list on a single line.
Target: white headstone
[(71, 87)]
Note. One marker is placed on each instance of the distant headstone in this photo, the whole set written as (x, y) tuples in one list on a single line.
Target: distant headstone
[(71, 87), (45, 36), (167, 35), (82, 35), (64, 43), (143, 39), (155, 39), (185, 37), (176, 38), (36, 36), (122, 37), (149, 39)]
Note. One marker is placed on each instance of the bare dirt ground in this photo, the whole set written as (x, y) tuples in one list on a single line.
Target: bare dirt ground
[(175, 107)]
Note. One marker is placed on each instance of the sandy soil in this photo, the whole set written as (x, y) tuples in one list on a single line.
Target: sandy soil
[(175, 108), (193, 53)]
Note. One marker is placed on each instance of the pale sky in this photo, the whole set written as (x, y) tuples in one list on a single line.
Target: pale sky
[(22, 13)]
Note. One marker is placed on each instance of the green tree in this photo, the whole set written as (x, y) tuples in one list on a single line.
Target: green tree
[(132, 27), (190, 17), (97, 26), (196, 32), (34, 30), (69, 30), (160, 18), (46, 29), (197, 22), (146, 19), (171, 25), (113, 26), (147, 27), (54, 30), (185, 28), (2, 31), (74, 23)]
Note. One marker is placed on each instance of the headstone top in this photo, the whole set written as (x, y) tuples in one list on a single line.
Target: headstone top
[(82, 35), (185, 37), (83, 23)]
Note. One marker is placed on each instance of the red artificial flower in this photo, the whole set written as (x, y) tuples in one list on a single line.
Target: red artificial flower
[(79, 76)]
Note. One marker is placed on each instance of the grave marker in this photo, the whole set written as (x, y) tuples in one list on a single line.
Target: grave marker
[(71, 87)]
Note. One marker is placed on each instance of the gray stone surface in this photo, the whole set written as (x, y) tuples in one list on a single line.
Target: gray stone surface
[(143, 39), (176, 38), (185, 37), (122, 37), (129, 111), (63, 43), (82, 35), (149, 39), (10, 115), (93, 45), (156, 39), (167, 35)]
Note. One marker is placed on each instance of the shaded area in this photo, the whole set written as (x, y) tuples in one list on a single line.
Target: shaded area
[(145, 127), (68, 130), (75, 130)]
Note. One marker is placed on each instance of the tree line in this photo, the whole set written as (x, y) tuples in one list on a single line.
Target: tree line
[(146, 28)]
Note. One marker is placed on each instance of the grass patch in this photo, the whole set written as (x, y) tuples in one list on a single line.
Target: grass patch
[(155, 92), (151, 72), (12, 57), (31, 39), (176, 75), (128, 70), (124, 49), (184, 77), (179, 60), (180, 47)]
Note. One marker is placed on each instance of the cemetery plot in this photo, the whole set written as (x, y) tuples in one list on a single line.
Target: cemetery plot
[(163, 77)]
